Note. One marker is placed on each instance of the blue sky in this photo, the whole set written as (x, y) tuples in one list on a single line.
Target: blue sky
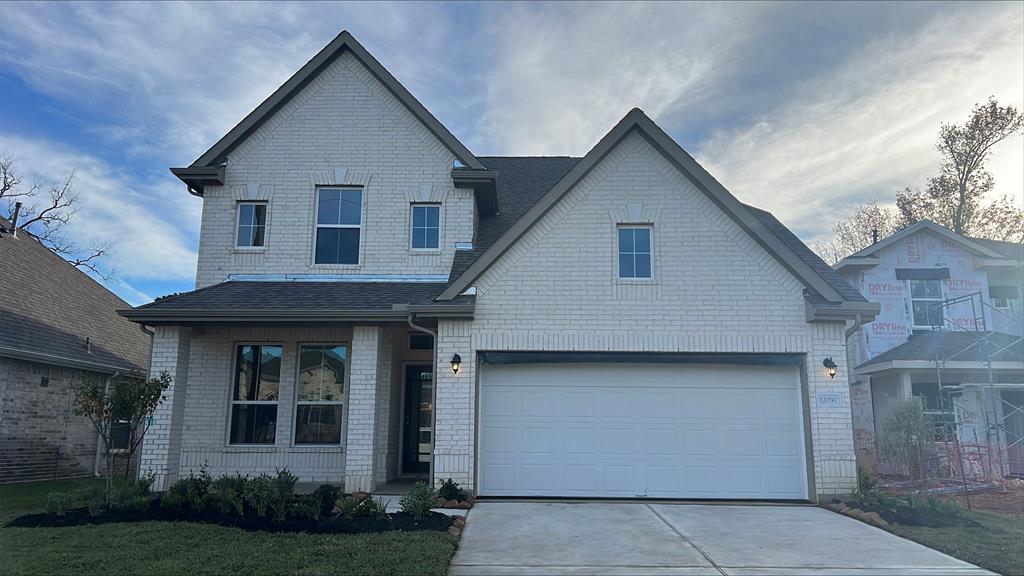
[(802, 109)]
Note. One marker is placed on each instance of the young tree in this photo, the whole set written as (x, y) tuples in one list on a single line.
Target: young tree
[(857, 232), (954, 197), (44, 216), (131, 398)]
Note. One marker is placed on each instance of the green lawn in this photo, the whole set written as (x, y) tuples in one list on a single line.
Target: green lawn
[(996, 545), (157, 548)]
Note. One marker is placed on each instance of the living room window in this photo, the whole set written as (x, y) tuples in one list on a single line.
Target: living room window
[(924, 294), (255, 394), (339, 217), (252, 225), (635, 252), (426, 226), (321, 390)]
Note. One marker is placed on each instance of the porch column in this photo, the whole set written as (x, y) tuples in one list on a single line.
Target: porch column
[(360, 444), (454, 409), (905, 390), (383, 413), (161, 447)]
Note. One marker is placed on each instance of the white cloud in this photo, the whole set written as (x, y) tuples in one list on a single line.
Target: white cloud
[(868, 128), (149, 225)]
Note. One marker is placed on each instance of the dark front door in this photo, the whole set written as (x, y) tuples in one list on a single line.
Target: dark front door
[(418, 425)]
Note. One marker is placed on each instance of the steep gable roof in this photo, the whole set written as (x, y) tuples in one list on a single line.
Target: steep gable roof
[(969, 244), (53, 313), (636, 120), (216, 155)]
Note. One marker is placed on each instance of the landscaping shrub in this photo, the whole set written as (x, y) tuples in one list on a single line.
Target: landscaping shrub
[(929, 511), (307, 507), (131, 494), (186, 495), (450, 490), (226, 496), (258, 493), (418, 501), (328, 495), (57, 503), (94, 496), (283, 488)]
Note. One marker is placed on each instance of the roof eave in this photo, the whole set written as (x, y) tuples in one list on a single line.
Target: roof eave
[(197, 178), (857, 262), (55, 360), (184, 316), (934, 228), (875, 367), (484, 184), (846, 310)]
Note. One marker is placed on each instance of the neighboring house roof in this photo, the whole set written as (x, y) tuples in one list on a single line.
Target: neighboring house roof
[(204, 166), (1012, 250), (969, 244), (268, 301), (53, 313), (952, 346), (783, 249)]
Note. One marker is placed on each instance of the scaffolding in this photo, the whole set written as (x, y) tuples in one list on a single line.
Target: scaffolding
[(1002, 452)]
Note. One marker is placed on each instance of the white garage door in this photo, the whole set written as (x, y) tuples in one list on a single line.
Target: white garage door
[(641, 430)]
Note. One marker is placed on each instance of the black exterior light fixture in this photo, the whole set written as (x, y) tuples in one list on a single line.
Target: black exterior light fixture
[(830, 367), (456, 362)]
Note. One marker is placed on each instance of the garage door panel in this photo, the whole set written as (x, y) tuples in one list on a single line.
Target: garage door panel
[(626, 431)]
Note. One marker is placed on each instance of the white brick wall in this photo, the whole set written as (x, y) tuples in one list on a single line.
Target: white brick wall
[(715, 290), (345, 125), (162, 442)]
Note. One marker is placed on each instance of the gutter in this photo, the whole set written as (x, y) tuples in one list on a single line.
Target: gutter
[(44, 358)]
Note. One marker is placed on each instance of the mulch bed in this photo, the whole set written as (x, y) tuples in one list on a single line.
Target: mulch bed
[(327, 525)]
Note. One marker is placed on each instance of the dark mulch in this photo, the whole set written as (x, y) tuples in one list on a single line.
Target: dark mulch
[(327, 525)]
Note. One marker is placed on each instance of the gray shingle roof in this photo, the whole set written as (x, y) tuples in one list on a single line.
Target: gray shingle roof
[(49, 307), (299, 296), (806, 254), (522, 181), (952, 346), (1013, 250)]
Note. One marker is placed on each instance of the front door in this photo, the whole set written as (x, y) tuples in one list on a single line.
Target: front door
[(417, 426)]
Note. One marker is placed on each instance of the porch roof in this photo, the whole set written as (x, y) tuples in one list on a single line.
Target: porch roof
[(957, 349), (303, 301)]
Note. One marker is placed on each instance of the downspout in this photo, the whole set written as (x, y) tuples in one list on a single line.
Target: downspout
[(856, 324), (433, 399), (99, 437)]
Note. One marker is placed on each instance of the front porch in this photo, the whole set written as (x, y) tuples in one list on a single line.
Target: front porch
[(340, 403)]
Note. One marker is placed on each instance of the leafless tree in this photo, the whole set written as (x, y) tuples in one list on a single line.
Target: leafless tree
[(857, 232), (45, 214), (954, 197)]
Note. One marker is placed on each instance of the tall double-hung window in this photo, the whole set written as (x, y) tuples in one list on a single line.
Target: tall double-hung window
[(321, 390), (254, 395), (339, 221)]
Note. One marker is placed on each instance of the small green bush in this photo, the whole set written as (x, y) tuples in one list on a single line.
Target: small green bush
[(131, 495), (226, 496), (259, 491), (57, 503), (307, 506), (283, 489), (95, 496), (418, 501), (450, 490), (187, 494), (367, 507), (328, 495)]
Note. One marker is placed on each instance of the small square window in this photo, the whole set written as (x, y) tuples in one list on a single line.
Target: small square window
[(635, 252), (252, 225), (426, 226), (419, 341)]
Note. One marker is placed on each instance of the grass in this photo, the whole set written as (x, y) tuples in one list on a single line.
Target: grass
[(156, 548), (997, 544)]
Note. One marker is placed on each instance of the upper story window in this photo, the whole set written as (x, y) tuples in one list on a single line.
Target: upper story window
[(339, 219), (1004, 298), (924, 294), (426, 226), (635, 251), (321, 391), (252, 225), (254, 394)]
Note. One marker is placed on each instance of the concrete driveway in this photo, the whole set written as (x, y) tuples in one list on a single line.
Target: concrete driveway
[(673, 539)]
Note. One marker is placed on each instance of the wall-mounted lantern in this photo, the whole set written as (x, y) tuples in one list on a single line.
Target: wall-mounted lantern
[(456, 362), (830, 367)]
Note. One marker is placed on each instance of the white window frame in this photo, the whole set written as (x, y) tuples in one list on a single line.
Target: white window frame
[(343, 402), (233, 401), (440, 231), (317, 225), (618, 251), (266, 224), (910, 293)]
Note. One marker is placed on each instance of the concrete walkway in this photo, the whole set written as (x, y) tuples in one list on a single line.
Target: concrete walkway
[(521, 538)]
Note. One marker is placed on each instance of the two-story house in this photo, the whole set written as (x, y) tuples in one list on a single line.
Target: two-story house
[(950, 312), (374, 301)]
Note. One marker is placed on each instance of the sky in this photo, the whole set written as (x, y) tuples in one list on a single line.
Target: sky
[(803, 109)]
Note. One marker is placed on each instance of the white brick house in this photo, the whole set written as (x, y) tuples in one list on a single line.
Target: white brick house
[(626, 327)]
